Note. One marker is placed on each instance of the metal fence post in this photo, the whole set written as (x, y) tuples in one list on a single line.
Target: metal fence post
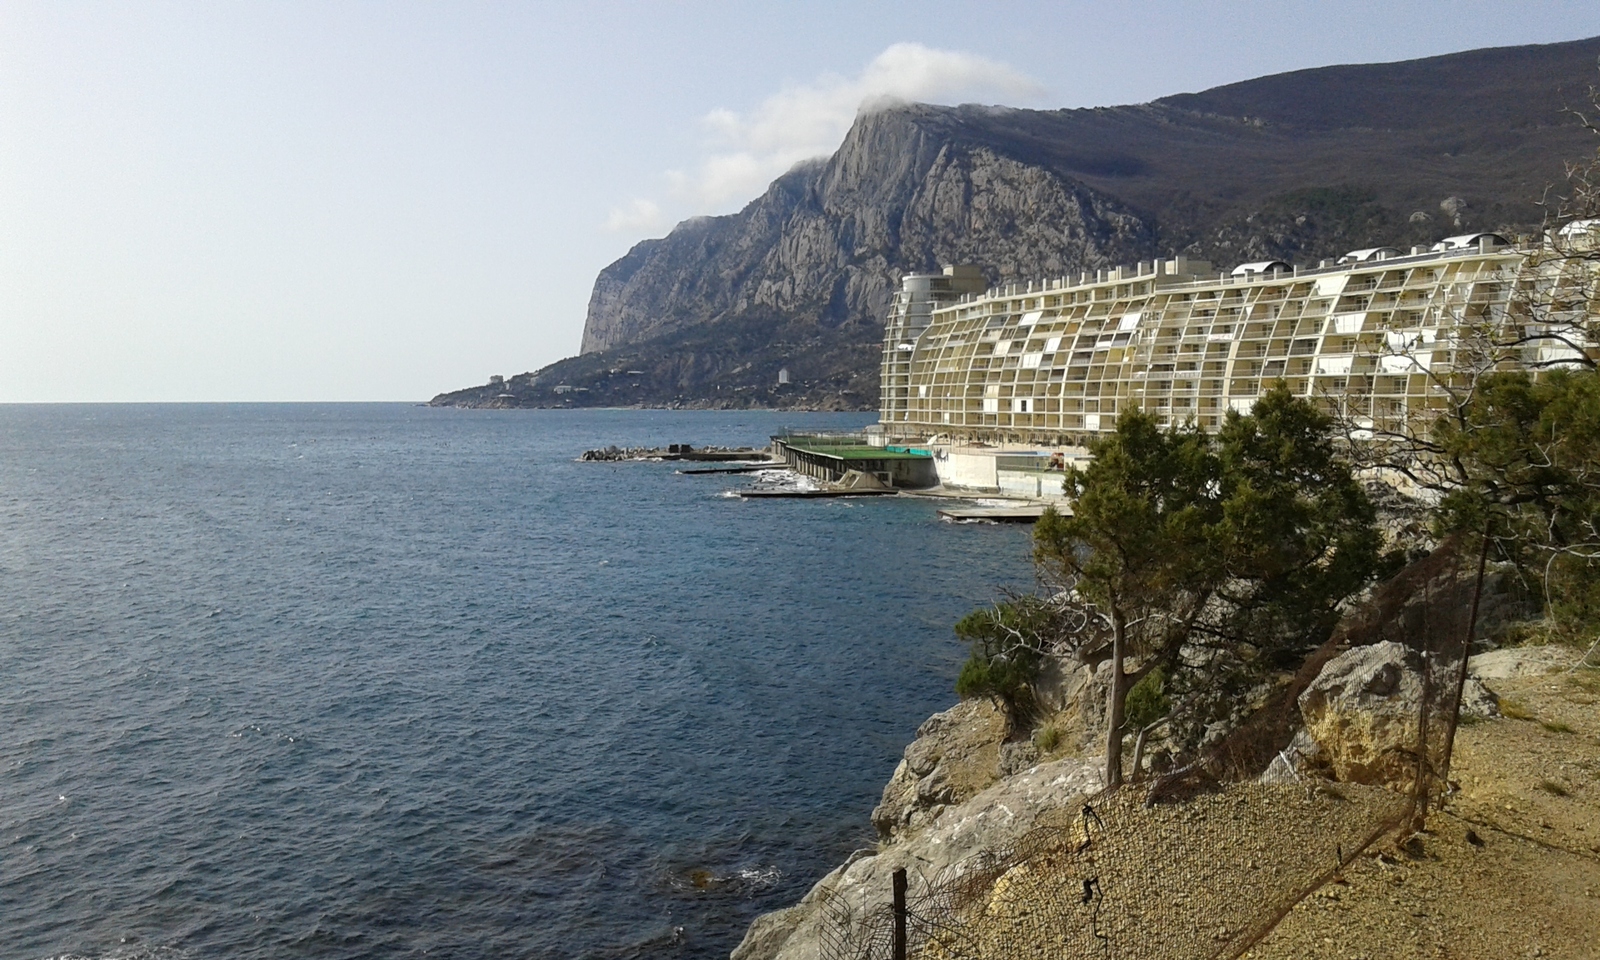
[(899, 945), (1466, 655)]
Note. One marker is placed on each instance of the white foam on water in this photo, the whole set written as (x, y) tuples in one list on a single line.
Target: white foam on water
[(761, 878), (140, 952), (780, 478)]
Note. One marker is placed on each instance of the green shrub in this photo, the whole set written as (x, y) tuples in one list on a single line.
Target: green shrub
[(1004, 662), (1147, 701), (1525, 449)]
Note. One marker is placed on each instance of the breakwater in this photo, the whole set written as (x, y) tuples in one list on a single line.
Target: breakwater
[(676, 451)]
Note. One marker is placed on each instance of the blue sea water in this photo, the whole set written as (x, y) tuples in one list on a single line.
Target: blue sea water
[(389, 681)]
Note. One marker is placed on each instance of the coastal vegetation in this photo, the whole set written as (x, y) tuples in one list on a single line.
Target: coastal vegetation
[(1189, 565), (1527, 452), (1006, 650)]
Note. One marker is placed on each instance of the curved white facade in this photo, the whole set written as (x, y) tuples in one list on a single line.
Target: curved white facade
[(1052, 362)]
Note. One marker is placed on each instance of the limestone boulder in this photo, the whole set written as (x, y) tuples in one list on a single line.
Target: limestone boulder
[(1293, 762), (1513, 662), (956, 754), (1362, 713), (1478, 702), (1361, 716)]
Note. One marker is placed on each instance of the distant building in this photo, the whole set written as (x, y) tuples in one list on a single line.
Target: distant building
[(496, 380), (562, 388), (1049, 363), (783, 376)]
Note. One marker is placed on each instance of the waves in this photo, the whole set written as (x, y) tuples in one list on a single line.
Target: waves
[(366, 681)]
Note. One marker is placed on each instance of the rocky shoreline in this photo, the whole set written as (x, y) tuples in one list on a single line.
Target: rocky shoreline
[(974, 785)]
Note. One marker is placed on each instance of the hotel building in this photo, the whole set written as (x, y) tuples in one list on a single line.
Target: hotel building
[(1052, 363)]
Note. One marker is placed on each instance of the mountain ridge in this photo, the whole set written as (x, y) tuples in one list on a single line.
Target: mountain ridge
[(1300, 165)]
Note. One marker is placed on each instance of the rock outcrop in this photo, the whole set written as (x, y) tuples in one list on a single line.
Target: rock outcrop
[(972, 745), (1361, 714), (911, 186), (1517, 662), (956, 755), (987, 821)]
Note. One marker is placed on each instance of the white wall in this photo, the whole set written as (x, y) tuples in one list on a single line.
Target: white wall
[(972, 469)]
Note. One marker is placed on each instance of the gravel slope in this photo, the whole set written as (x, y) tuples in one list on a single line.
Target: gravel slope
[(1511, 868)]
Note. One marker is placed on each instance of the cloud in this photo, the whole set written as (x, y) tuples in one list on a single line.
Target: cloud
[(638, 216), (746, 151), (809, 120)]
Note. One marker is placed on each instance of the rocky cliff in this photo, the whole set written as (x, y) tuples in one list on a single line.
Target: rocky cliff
[(909, 188), (1298, 166)]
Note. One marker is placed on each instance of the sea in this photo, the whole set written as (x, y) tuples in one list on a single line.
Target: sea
[(382, 680)]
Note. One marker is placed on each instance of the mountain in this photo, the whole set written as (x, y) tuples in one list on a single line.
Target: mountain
[(1299, 166)]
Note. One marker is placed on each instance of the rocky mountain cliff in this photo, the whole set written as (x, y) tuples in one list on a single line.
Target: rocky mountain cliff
[(1298, 166), (909, 187)]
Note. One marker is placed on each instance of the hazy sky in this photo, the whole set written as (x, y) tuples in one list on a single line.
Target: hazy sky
[(350, 201)]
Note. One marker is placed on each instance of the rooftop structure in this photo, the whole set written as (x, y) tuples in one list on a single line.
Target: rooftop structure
[(831, 458), (1054, 362)]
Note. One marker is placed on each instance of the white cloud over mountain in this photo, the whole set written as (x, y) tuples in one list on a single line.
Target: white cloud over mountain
[(746, 151), (638, 214)]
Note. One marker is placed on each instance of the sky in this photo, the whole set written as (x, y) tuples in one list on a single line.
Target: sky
[(296, 201)]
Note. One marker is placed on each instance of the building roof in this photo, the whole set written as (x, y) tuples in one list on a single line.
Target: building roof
[(859, 451)]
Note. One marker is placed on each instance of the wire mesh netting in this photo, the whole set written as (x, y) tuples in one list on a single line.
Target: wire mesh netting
[(1205, 861)]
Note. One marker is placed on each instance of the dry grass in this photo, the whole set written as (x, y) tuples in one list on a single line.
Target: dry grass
[(1586, 679), (1048, 738), (1514, 709)]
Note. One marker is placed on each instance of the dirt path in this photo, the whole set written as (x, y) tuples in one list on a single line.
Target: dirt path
[(1511, 868)]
